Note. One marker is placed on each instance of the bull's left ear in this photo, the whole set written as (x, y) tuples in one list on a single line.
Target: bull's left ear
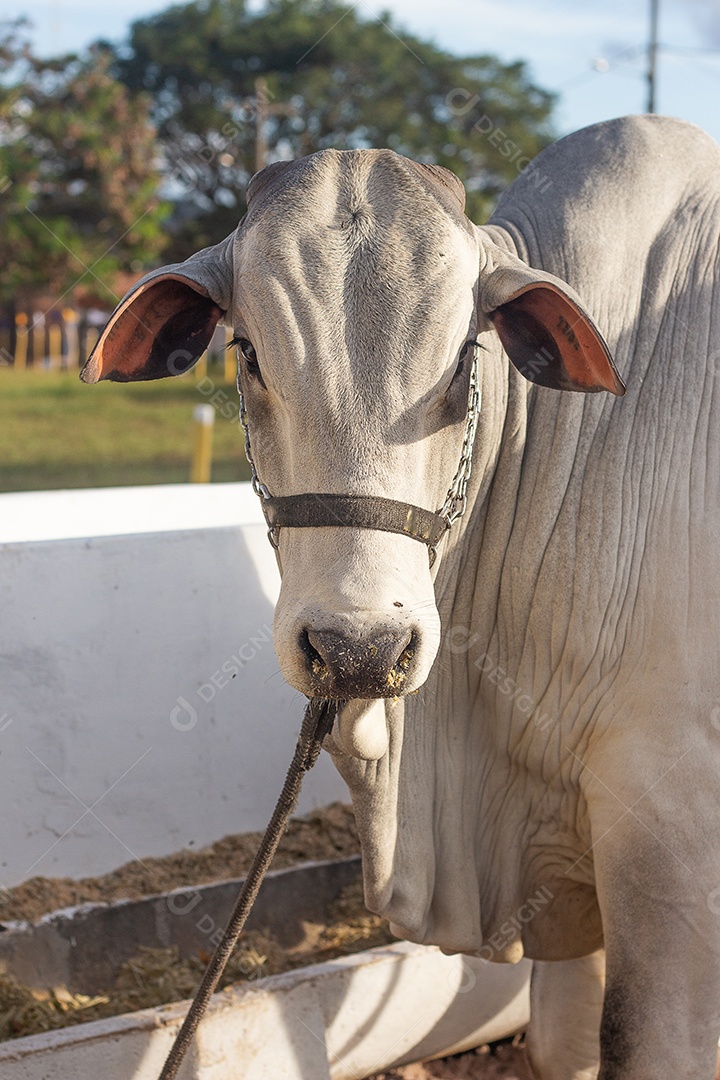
[(164, 324), (544, 328)]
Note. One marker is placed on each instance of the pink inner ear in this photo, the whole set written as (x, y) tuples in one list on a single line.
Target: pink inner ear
[(124, 347), (585, 356)]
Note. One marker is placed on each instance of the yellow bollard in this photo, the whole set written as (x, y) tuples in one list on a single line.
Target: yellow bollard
[(203, 418), (201, 367), (21, 341)]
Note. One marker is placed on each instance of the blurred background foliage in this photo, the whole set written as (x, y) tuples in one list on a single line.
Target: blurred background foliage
[(329, 78), (143, 149), (78, 157)]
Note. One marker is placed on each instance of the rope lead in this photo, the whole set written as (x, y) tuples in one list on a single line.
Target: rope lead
[(317, 723)]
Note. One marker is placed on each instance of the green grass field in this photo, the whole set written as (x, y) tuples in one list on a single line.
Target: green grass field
[(56, 432)]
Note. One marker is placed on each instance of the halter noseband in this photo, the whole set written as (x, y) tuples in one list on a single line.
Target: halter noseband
[(317, 510)]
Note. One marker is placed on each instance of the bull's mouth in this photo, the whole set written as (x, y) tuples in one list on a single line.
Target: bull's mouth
[(378, 667), (362, 728)]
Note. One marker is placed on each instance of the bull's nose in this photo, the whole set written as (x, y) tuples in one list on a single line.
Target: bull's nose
[(341, 666)]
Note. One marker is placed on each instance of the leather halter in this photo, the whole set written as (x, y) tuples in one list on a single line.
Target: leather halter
[(358, 511), (313, 510)]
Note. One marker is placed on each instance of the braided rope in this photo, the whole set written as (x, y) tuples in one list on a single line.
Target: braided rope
[(317, 723)]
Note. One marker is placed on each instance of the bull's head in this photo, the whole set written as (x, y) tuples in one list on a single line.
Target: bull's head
[(355, 287)]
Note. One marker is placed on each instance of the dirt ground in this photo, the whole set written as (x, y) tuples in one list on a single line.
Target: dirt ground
[(329, 833), (501, 1061)]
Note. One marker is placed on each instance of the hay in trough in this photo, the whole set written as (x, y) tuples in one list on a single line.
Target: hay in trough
[(24, 1011)]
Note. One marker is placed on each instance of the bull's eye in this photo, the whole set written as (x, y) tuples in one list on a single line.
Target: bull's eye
[(464, 353), (247, 350)]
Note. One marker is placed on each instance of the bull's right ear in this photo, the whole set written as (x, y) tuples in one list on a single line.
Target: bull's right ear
[(165, 323), (544, 326)]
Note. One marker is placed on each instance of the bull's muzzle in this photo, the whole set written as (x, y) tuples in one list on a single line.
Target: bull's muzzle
[(380, 664)]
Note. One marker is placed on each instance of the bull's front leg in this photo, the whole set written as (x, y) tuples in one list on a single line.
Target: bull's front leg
[(658, 883), (566, 1000)]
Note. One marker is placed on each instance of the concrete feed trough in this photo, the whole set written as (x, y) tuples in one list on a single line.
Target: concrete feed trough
[(338, 1020)]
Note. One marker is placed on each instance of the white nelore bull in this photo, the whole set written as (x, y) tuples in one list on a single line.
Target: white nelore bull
[(547, 780)]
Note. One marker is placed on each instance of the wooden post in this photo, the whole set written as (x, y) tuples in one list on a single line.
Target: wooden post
[(201, 367), (652, 54), (264, 110), (7, 333), (203, 419), (37, 337), (261, 113)]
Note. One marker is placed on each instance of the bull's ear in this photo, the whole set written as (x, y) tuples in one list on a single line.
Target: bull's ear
[(164, 324), (545, 329)]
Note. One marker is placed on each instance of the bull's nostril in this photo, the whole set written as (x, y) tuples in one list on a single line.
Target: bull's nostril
[(399, 672), (317, 665), (406, 656)]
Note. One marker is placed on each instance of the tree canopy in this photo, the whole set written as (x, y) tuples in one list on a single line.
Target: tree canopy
[(114, 158), (318, 75), (78, 173)]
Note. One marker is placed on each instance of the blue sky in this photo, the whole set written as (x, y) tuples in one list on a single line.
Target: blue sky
[(562, 40)]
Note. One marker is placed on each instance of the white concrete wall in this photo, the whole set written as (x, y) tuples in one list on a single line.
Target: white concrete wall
[(141, 705)]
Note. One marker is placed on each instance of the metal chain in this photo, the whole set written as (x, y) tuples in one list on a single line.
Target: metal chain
[(456, 499), (257, 485)]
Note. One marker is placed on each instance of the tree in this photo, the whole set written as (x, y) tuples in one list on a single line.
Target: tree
[(327, 78), (78, 173)]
